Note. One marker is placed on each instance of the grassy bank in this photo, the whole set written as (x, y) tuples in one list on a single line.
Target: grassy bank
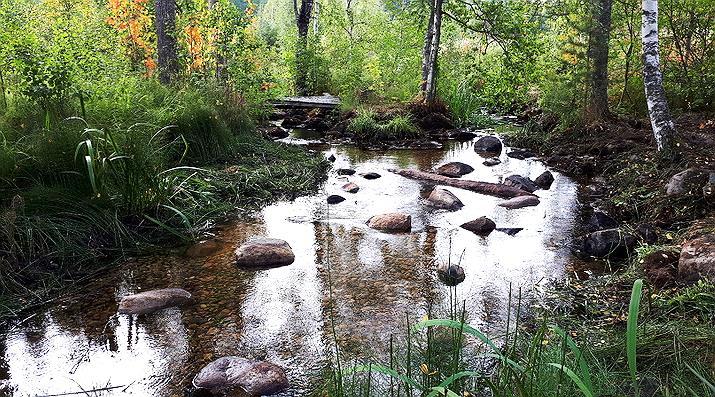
[(137, 169), (652, 347)]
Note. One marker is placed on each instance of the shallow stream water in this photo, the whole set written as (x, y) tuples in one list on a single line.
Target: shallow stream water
[(282, 315)]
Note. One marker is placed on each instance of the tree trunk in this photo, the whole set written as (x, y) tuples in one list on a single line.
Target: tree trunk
[(302, 19), (430, 53), (598, 103), (661, 122), (488, 188), (166, 40), (220, 59)]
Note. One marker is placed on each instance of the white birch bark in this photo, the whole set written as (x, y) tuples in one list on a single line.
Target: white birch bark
[(660, 119), (430, 66)]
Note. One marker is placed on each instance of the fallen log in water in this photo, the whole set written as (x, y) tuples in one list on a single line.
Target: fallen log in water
[(488, 188)]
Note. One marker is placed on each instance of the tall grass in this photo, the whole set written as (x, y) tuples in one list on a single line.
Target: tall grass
[(367, 127), (545, 361), (145, 167)]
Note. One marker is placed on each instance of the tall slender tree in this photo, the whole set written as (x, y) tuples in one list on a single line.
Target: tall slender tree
[(165, 20), (430, 52), (660, 119), (600, 34), (302, 20), (220, 58)]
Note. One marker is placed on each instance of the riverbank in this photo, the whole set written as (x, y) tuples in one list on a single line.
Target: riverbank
[(79, 194)]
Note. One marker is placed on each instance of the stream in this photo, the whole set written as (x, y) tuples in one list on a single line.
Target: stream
[(283, 315)]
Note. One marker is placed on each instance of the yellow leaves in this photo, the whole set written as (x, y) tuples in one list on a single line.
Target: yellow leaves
[(569, 58), (425, 370), (131, 19)]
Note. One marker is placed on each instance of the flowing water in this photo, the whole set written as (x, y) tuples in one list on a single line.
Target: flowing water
[(283, 314)]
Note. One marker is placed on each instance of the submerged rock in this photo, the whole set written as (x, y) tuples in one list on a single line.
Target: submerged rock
[(512, 231), (370, 175), (690, 181), (489, 145), (350, 187), (454, 169), (204, 248), (444, 199), (263, 252), (520, 202), (335, 199), (451, 275), (482, 226), (256, 378), (491, 162), (544, 180), (151, 301), (697, 259), (521, 154), (391, 222), (345, 171), (522, 183), (611, 243)]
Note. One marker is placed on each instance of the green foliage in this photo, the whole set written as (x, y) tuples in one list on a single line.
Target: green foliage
[(528, 361), (367, 128)]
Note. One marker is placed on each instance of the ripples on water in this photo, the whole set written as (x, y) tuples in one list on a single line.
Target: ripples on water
[(282, 314)]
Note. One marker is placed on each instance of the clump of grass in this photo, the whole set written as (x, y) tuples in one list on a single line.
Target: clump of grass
[(367, 127), (544, 361)]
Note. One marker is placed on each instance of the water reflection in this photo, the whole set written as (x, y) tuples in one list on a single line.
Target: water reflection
[(283, 314)]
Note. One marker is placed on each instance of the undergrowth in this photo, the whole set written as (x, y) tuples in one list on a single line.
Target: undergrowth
[(448, 357), (367, 127), (148, 169)]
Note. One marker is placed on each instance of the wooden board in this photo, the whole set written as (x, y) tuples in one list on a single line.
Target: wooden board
[(306, 102)]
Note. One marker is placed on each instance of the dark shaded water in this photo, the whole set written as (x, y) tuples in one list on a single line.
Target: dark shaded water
[(282, 314)]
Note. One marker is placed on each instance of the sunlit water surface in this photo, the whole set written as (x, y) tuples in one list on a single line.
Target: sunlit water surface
[(283, 314)]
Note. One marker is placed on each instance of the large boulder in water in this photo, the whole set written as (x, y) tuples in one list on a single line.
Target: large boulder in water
[(444, 199), (450, 274), (454, 169), (481, 226), (488, 145), (521, 182), (520, 202), (263, 252), (151, 301), (611, 243), (391, 222), (256, 378), (697, 259), (544, 180), (688, 182)]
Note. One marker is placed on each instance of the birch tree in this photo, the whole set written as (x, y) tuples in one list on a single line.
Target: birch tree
[(165, 21), (660, 119), (431, 51), (302, 19)]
